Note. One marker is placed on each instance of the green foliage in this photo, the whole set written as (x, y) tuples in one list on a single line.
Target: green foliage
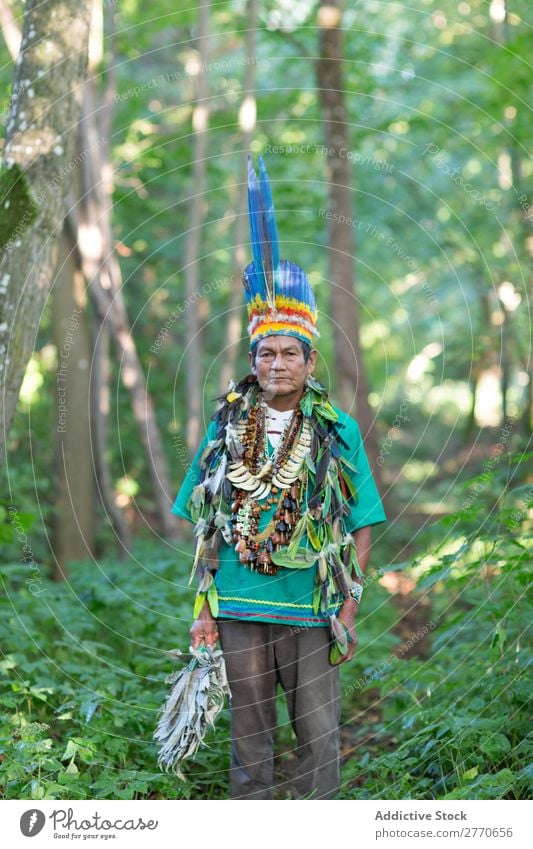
[(454, 723), (83, 669), (82, 662)]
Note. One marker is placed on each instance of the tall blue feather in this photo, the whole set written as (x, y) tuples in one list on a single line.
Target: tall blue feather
[(263, 278), (270, 221)]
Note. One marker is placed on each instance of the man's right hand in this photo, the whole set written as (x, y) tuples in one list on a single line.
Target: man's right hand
[(204, 630)]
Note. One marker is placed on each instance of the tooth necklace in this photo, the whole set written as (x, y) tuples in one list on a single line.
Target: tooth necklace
[(257, 473), (257, 477)]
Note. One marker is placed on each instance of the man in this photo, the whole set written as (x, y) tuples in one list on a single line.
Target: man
[(283, 500)]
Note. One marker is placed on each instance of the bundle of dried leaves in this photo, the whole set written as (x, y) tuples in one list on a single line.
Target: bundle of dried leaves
[(195, 701)]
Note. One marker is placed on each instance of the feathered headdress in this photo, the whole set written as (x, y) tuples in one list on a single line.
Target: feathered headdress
[(278, 294)]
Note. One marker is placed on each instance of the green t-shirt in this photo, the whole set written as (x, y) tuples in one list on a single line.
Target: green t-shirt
[(284, 598)]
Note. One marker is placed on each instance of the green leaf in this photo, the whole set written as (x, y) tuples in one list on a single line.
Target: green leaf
[(327, 412), (499, 637), (70, 751), (345, 462), (72, 769), (316, 599), (212, 598), (37, 790), (312, 535), (470, 774), (297, 535), (495, 746), (349, 485), (303, 559), (493, 785), (338, 490), (198, 604), (354, 562)]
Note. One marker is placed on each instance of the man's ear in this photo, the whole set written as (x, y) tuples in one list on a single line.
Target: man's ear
[(252, 366), (311, 362)]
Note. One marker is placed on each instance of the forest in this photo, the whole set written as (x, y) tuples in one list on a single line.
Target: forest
[(396, 138)]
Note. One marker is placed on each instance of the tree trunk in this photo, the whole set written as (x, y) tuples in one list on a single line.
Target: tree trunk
[(43, 113), (351, 380), (247, 123), (100, 407), (73, 525), (471, 418), (200, 119), (93, 227)]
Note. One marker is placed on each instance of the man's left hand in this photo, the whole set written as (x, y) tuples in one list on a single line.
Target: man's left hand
[(347, 614)]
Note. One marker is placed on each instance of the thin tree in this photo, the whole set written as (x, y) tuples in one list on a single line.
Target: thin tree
[(200, 126), (90, 218), (247, 123), (500, 25), (73, 527), (351, 380)]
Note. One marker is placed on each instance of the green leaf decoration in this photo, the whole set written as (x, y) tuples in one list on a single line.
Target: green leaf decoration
[(212, 599), (306, 404), (354, 562), (316, 599), (340, 633), (303, 559), (327, 412), (345, 462), (349, 485), (338, 489), (198, 604), (297, 534), (312, 535)]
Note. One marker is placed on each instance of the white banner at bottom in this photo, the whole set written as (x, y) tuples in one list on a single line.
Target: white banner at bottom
[(364, 823)]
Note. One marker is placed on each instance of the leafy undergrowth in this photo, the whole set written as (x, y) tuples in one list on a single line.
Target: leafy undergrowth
[(453, 722), (434, 702), (85, 670)]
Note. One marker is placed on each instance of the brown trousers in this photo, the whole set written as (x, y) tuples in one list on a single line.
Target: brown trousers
[(258, 656)]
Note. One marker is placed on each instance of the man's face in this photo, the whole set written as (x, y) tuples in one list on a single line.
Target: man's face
[(280, 367)]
